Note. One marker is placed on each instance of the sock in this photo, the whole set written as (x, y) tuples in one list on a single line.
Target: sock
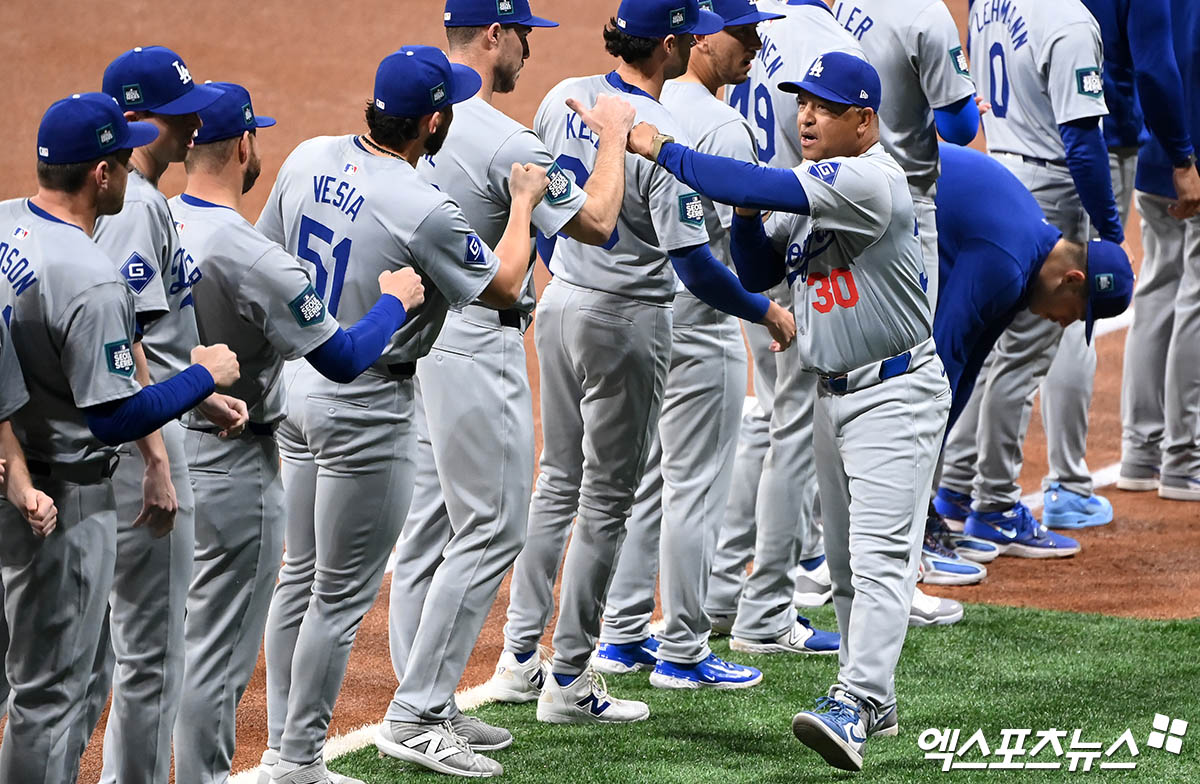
[(524, 657), (564, 680), (812, 563)]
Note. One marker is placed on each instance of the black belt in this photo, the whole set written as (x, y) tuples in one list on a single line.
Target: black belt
[(86, 473), (511, 318), (402, 369), (256, 428)]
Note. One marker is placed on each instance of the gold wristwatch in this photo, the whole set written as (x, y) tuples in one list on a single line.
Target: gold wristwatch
[(659, 140)]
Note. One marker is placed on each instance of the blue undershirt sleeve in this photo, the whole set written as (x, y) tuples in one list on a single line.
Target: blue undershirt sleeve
[(715, 286), (959, 122), (349, 352), (759, 266), (1156, 73), (139, 415), (1087, 158), (734, 182)]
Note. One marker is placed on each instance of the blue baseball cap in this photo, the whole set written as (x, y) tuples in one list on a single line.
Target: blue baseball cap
[(229, 116), (1110, 282), (738, 12), (480, 13), (88, 126), (155, 79), (418, 80), (841, 78), (660, 18)]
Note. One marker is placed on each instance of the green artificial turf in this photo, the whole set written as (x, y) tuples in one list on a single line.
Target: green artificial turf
[(999, 668)]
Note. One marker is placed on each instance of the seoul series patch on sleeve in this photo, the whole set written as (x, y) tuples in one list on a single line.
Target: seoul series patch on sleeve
[(473, 256), (137, 273), (825, 171), (1104, 282), (959, 58), (1089, 82), (559, 189), (691, 209), (308, 309), (118, 356)]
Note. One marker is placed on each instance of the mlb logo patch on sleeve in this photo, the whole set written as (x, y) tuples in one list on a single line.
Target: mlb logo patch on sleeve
[(1089, 82), (118, 356), (559, 189), (307, 309), (691, 209), (959, 58), (825, 171), (137, 273), (474, 255)]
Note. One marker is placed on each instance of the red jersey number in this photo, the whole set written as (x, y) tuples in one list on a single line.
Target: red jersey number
[(836, 288)]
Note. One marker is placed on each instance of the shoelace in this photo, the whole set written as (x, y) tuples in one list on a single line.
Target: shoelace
[(937, 536), (1028, 525), (842, 713), (597, 683), (455, 738)]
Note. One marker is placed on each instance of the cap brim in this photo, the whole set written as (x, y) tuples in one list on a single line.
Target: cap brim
[(817, 90), (199, 97), (537, 21), (754, 17), (466, 82), (263, 122), (141, 134), (708, 24)]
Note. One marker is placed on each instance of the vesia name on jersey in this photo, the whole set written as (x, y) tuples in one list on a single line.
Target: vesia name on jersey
[(15, 268), (985, 12), (856, 22), (330, 190)]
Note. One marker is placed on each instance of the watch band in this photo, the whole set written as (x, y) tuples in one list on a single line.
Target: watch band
[(659, 141), (1187, 163)]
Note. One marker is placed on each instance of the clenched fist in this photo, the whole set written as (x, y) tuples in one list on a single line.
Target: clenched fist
[(219, 361), (405, 285), (528, 182)]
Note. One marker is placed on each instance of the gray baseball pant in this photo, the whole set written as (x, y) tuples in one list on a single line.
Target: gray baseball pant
[(56, 595), (875, 451), (681, 501), (1160, 391), (347, 453), (466, 525), (603, 360), (926, 213), (239, 542), (141, 649)]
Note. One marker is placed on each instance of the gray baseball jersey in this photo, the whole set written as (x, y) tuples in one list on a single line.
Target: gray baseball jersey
[(71, 318), (1039, 65), (855, 275), (790, 45), (254, 297), (473, 167), (13, 393), (659, 214), (325, 186), (914, 46), (141, 240)]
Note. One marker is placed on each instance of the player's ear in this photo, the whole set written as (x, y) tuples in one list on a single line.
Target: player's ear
[(243, 147), (1074, 276), (493, 33), (866, 118)]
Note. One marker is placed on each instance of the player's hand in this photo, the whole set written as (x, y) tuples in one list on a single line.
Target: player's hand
[(39, 511), (159, 503), (611, 114), (405, 285), (219, 361), (983, 106), (641, 140), (228, 413), (1187, 190), (780, 322), (528, 182)]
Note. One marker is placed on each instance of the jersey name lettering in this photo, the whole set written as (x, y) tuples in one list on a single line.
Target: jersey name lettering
[(330, 190), (985, 12), (15, 268), (856, 22), (769, 56), (576, 129)]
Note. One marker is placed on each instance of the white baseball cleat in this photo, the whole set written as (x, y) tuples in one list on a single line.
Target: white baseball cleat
[(480, 735), (929, 610), (434, 746), (519, 682), (814, 587), (312, 773), (586, 700)]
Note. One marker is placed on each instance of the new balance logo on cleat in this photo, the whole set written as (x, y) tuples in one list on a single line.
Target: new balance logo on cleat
[(538, 679), (433, 745), (593, 704)]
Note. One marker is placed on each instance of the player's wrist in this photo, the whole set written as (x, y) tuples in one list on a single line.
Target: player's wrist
[(656, 144)]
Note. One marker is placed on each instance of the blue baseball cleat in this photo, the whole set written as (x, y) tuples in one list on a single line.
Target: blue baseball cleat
[(973, 549), (620, 659), (941, 565), (953, 507), (1017, 533), (1064, 509), (800, 638), (836, 730), (711, 673)]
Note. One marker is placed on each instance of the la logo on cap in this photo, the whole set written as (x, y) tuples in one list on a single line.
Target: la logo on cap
[(505, 7), (1104, 282), (438, 94), (185, 75), (678, 17), (133, 93), (107, 136), (818, 68)]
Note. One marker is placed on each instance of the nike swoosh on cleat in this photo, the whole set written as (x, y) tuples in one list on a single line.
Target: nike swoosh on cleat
[(853, 737), (1011, 533)]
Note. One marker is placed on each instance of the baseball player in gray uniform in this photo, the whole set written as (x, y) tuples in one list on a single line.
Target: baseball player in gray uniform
[(471, 500), (347, 448), (72, 321), (691, 461), (843, 235), (604, 345), (258, 299)]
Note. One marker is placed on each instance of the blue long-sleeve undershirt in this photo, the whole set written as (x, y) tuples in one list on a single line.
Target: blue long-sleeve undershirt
[(713, 284), (1087, 158), (348, 352), (729, 181), (1156, 73), (759, 266), (139, 415), (959, 122)]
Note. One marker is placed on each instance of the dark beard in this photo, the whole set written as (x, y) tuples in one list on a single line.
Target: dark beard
[(434, 143), (503, 81), (251, 176)]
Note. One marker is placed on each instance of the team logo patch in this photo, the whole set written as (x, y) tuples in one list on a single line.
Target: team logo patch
[(137, 273), (473, 255), (185, 76), (438, 94), (505, 7), (307, 308), (132, 93), (959, 58), (559, 189), (818, 67), (1104, 282), (247, 115), (691, 209), (106, 136), (1089, 82), (678, 17), (825, 171), (118, 355)]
